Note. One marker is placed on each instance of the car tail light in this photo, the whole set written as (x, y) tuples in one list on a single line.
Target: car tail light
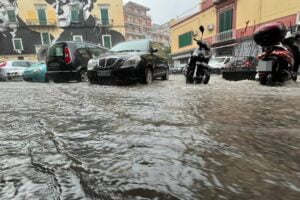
[(68, 58), (3, 64)]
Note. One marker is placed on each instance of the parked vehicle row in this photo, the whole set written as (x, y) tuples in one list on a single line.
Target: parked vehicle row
[(13, 70), (137, 61)]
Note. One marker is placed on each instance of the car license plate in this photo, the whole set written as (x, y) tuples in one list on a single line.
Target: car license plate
[(264, 66), (104, 73)]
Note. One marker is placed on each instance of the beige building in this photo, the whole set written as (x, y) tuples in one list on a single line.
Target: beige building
[(161, 33)]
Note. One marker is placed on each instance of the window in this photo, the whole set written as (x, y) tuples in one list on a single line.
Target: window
[(56, 50), (106, 41), (104, 16), (45, 37), (20, 64), (77, 38), (75, 15), (42, 16), (12, 16), (225, 20), (185, 39), (17, 43)]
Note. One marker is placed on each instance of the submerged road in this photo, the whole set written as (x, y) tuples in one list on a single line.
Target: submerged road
[(169, 140)]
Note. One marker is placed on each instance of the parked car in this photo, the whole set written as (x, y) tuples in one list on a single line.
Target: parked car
[(130, 61), (67, 61), (13, 70), (36, 73), (219, 63)]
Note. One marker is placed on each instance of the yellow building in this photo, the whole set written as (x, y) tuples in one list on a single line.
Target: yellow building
[(35, 24), (229, 26)]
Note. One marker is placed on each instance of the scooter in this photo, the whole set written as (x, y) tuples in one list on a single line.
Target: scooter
[(276, 61), (198, 70)]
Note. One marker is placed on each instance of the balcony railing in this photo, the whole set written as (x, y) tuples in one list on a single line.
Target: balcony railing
[(104, 22), (225, 36), (36, 22)]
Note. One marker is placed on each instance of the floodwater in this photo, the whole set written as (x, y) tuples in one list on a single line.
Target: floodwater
[(169, 140)]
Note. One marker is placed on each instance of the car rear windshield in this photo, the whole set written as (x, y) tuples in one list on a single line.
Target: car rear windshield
[(217, 60), (138, 45), (56, 50), (20, 64)]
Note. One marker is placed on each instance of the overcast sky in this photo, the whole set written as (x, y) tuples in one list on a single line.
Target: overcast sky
[(164, 10)]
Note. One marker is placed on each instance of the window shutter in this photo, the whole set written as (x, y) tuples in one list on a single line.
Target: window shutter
[(185, 39), (11, 16), (42, 16), (104, 16), (74, 15), (45, 38), (18, 45)]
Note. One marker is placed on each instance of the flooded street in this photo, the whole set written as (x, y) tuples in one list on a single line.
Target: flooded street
[(169, 140)]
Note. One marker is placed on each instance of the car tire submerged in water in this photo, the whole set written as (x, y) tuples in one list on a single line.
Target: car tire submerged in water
[(82, 76), (148, 79), (166, 76)]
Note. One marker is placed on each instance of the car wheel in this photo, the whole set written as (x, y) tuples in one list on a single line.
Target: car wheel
[(82, 77), (148, 79), (166, 76), (295, 77)]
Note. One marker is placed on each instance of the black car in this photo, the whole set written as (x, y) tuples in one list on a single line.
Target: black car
[(130, 61), (67, 61)]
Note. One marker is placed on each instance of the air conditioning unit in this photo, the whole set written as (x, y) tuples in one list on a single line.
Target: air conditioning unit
[(210, 27)]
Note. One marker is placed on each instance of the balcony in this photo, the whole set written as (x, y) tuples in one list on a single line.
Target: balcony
[(104, 22), (225, 36), (40, 23), (131, 32)]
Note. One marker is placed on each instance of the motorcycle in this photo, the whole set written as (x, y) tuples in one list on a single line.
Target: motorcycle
[(276, 61), (198, 70)]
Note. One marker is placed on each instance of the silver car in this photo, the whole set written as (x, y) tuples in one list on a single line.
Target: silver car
[(13, 70)]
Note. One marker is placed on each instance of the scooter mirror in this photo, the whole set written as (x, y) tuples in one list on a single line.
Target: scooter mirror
[(201, 28)]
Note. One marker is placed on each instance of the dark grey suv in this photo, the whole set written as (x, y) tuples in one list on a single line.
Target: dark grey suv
[(67, 61)]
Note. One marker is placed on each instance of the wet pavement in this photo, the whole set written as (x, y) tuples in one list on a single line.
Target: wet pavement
[(169, 140)]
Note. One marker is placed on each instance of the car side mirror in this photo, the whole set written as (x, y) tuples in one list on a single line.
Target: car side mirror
[(154, 50)]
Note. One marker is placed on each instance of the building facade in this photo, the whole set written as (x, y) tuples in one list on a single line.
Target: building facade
[(229, 25), (138, 22), (161, 33), (31, 25)]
